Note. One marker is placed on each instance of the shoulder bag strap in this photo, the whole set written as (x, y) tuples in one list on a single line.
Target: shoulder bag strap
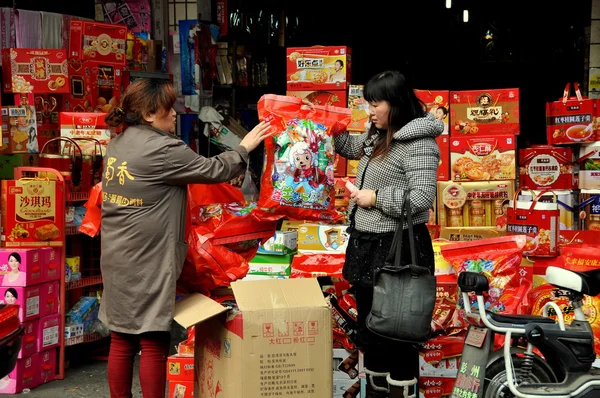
[(395, 254)]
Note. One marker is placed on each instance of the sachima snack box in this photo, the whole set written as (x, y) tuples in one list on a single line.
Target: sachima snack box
[(484, 112), (33, 213), (318, 68), (437, 103), (35, 71)]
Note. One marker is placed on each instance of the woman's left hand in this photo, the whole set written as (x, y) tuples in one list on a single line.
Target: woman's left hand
[(363, 198)]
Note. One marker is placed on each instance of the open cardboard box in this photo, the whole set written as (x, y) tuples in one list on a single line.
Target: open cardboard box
[(278, 342)]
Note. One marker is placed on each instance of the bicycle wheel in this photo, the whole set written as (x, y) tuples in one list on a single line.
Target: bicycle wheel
[(496, 385)]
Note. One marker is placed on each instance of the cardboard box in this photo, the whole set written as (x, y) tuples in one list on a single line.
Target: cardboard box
[(360, 109), (24, 375), (284, 242), (546, 167), (474, 204), (443, 173), (48, 332), (27, 298), (33, 213), (73, 331), (337, 98), (19, 131), (9, 162), (99, 42), (35, 71), (437, 103), (310, 68), (483, 158), (49, 298), (47, 366), (487, 112), (319, 238), (589, 166), (283, 328), (29, 344), (271, 265), (27, 263), (180, 368), (181, 389)]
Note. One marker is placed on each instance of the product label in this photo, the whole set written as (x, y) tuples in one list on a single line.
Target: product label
[(50, 336), (33, 306), (544, 170)]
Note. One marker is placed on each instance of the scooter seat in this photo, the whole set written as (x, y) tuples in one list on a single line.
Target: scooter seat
[(519, 319), (587, 283)]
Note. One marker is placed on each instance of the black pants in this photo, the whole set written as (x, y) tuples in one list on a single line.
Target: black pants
[(382, 355)]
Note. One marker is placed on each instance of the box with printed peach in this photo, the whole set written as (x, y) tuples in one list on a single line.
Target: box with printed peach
[(37, 71), (483, 158)]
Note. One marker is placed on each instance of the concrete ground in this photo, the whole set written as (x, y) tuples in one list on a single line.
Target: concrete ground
[(85, 380)]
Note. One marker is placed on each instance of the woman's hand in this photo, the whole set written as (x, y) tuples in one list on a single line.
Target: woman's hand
[(364, 198), (256, 136)]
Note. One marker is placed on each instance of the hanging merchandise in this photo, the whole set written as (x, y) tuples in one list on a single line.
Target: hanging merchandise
[(187, 33), (298, 181), (136, 15)]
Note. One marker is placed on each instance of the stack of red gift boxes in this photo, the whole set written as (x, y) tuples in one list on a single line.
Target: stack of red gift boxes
[(29, 279)]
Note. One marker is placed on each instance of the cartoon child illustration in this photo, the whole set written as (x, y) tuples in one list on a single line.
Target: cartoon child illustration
[(14, 276), (302, 161), (10, 296)]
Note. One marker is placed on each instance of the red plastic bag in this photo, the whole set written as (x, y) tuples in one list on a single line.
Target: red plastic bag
[(499, 259), (93, 214), (316, 265), (298, 179)]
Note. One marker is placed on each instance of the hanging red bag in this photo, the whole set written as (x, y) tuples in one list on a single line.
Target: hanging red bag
[(571, 120), (539, 221), (93, 212), (298, 178)]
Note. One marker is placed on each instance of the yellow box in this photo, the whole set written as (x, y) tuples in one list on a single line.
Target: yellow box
[(468, 234), (319, 238), (74, 263), (352, 169)]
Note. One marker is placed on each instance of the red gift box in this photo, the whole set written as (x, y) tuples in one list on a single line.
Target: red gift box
[(484, 112), (99, 42), (443, 173), (35, 71), (483, 158), (437, 103), (546, 167), (313, 68), (94, 87), (33, 213), (571, 120), (539, 221)]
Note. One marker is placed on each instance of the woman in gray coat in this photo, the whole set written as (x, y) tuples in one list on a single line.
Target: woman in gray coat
[(146, 171)]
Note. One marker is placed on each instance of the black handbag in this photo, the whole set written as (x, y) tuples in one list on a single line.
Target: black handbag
[(404, 295)]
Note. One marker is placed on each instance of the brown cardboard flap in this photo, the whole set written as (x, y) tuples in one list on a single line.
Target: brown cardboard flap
[(278, 294), (196, 308)]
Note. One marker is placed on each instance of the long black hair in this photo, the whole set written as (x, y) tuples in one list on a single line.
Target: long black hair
[(393, 88)]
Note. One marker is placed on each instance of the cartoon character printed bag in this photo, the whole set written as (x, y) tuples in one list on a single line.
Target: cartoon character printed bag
[(298, 180)]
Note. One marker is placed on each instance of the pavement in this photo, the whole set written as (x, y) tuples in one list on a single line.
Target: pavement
[(83, 381)]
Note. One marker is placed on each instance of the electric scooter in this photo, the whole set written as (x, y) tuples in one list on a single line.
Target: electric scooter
[(564, 371)]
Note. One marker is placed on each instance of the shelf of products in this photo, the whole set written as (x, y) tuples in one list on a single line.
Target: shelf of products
[(84, 282), (72, 230), (85, 338)]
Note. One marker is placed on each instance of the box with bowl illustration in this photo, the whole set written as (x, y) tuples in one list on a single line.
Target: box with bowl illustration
[(318, 68), (589, 166), (547, 167), (572, 120)]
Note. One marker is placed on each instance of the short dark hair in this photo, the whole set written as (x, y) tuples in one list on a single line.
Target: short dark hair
[(12, 291), (17, 256)]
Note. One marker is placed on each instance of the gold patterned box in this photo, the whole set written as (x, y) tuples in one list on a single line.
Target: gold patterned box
[(99, 42), (39, 71)]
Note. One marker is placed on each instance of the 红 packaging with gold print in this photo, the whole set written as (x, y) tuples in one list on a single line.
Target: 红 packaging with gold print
[(487, 112), (100, 42), (33, 213), (77, 125), (35, 71)]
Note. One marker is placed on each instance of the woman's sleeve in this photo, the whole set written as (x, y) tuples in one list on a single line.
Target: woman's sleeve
[(349, 145), (183, 166)]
